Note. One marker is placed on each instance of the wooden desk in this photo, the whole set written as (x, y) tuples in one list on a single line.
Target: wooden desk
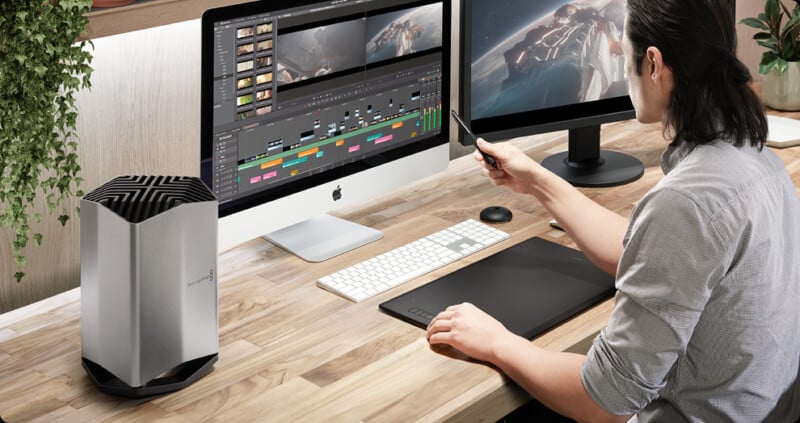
[(290, 351)]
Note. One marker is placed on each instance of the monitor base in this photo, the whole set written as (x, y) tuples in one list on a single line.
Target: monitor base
[(323, 237), (611, 169)]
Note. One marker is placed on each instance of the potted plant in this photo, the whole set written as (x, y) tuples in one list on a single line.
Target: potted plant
[(779, 32), (42, 66)]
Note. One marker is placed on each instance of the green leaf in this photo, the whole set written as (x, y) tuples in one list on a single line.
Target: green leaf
[(18, 276), (20, 261), (772, 9), (38, 238), (791, 28), (770, 44), (755, 23), (768, 62)]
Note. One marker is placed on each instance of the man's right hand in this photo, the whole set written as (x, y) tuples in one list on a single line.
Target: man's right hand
[(515, 169)]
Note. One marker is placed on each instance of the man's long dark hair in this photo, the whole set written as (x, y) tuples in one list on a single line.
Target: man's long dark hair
[(711, 99)]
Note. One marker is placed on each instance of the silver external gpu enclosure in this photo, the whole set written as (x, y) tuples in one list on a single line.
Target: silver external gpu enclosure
[(148, 284)]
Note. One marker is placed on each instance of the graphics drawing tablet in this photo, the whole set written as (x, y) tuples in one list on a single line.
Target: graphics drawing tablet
[(529, 287)]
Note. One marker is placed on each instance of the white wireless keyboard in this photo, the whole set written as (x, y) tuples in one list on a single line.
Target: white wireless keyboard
[(402, 264)]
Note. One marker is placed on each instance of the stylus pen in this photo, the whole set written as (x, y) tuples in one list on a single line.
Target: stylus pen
[(489, 159)]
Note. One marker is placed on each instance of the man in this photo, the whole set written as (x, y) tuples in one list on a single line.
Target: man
[(706, 325)]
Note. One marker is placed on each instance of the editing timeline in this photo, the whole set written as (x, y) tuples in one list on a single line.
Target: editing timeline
[(269, 130)]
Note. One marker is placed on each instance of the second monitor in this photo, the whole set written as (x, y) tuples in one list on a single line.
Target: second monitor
[(532, 67)]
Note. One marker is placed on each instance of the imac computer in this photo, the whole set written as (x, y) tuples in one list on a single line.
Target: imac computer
[(529, 67), (309, 106)]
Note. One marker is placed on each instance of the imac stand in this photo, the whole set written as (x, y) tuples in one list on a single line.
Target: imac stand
[(323, 237)]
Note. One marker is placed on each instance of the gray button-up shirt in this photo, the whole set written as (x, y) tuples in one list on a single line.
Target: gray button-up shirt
[(706, 325)]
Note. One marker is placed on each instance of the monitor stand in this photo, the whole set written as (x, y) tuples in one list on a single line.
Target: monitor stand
[(585, 165), (322, 237)]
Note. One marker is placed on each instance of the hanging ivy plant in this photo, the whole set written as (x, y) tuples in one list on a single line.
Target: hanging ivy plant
[(42, 66)]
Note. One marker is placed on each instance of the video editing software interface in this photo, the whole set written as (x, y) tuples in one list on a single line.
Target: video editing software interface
[(307, 89)]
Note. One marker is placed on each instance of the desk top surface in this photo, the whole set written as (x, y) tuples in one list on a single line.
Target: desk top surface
[(290, 351)]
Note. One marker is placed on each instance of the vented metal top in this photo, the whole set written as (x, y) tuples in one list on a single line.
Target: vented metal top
[(138, 198)]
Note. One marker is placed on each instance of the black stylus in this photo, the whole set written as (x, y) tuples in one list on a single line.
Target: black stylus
[(489, 159)]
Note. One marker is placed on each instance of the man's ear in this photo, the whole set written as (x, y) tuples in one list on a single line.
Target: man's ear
[(661, 78), (654, 62)]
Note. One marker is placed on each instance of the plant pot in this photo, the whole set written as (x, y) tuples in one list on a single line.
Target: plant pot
[(111, 3), (782, 92)]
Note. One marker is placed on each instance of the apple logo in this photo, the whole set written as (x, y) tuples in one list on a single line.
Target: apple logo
[(337, 193)]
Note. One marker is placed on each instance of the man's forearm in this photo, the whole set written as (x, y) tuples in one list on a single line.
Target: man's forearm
[(553, 378)]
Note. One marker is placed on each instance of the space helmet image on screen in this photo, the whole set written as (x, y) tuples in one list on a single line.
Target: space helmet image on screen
[(404, 32), (546, 53), (320, 51)]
